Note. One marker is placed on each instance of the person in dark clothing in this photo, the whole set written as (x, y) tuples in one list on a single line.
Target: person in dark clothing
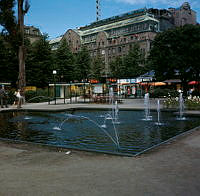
[(3, 97)]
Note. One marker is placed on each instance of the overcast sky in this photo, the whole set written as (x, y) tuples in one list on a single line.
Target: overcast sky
[(55, 17)]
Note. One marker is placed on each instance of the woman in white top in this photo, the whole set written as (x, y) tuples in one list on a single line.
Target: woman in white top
[(19, 98)]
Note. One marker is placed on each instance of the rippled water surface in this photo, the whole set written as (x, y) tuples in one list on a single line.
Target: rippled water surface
[(82, 129)]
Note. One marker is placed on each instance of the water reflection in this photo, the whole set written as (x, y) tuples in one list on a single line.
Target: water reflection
[(134, 134)]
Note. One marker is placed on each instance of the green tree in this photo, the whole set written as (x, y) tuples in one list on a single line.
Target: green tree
[(9, 42), (117, 68), (8, 63), (97, 67), (129, 66), (8, 23), (23, 7), (83, 64), (64, 62), (39, 63), (13, 31), (175, 54), (133, 62)]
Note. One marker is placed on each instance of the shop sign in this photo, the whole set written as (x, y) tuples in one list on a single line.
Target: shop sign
[(98, 89)]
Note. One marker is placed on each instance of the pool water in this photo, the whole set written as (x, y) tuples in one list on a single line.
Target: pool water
[(82, 129)]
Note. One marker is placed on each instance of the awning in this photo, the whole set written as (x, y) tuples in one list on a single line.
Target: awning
[(172, 81), (153, 83), (193, 82)]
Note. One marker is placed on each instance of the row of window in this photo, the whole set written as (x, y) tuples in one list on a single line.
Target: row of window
[(128, 29), (110, 42), (116, 50), (33, 32), (124, 30)]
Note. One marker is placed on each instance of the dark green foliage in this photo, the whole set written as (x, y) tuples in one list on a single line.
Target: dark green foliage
[(8, 22), (64, 62), (9, 42), (83, 65), (175, 54), (128, 66), (163, 92), (8, 63), (117, 68), (132, 63), (7, 18), (195, 93), (97, 67), (11, 97), (39, 63), (41, 95)]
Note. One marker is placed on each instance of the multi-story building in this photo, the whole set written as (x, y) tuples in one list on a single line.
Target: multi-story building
[(115, 36), (55, 42), (32, 33), (183, 15)]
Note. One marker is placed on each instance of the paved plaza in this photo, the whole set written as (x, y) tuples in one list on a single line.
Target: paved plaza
[(170, 169)]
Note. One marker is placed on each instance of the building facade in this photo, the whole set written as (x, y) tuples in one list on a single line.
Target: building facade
[(32, 33), (115, 36)]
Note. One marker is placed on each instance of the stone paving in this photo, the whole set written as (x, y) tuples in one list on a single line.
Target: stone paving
[(126, 104), (171, 169)]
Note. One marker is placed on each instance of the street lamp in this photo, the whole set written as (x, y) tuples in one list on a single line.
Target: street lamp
[(54, 76), (54, 72)]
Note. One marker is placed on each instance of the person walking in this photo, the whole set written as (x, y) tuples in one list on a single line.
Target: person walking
[(3, 97), (19, 98)]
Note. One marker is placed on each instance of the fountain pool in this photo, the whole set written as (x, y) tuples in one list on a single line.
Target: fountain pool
[(85, 129)]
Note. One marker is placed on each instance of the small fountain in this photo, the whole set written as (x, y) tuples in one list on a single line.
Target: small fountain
[(158, 113), (82, 129), (102, 127), (26, 117), (181, 107), (114, 113), (113, 116), (111, 101), (147, 116)]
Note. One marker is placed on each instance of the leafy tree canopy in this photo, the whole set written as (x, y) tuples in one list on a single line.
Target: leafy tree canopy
[(175, 54), (39, 63), (64, 62), (97, 67), (129, 66), (83, 64)]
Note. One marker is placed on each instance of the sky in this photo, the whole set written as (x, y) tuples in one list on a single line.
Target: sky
[(55, 17)]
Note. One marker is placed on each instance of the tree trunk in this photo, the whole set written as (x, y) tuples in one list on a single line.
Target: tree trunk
[(21, 53)]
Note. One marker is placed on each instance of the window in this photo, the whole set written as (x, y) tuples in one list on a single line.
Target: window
[(27, 31)]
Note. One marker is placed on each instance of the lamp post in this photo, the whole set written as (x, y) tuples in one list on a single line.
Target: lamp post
[(54, 80)]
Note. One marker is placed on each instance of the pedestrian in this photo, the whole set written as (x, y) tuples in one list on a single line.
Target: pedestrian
[(16, 98), (19, 98), (3, 97)]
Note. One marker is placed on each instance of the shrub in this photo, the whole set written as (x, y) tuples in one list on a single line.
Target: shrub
[(41, 95), (191, 103), (160, 93), (11, 96)]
